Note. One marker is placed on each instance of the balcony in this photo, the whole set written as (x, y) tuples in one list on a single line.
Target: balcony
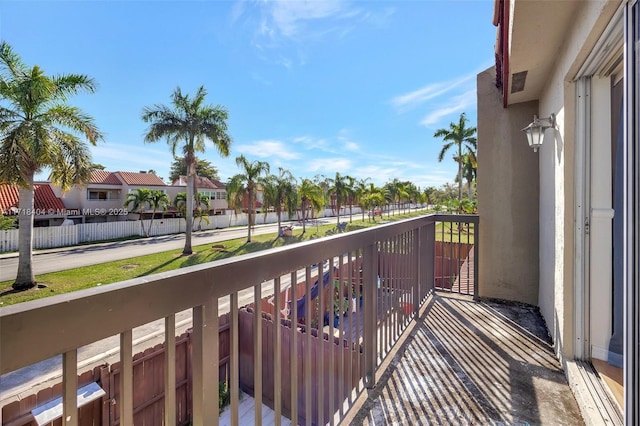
[(377, 325)]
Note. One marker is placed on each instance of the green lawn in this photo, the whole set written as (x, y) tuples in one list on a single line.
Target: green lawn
[(111, 272)]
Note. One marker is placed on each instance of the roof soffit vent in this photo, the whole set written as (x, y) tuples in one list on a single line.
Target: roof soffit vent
[(517, 81)]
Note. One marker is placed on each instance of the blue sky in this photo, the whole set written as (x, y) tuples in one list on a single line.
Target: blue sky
[(316, 87)]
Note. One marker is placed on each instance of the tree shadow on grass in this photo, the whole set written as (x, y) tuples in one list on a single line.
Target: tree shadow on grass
[(356, 226), (292, 239), (222, 252), (10, 290), (158, 267), (7, 291), (253, 246), (204, 257)]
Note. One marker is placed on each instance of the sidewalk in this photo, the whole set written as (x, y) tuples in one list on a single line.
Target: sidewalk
[(158, 238), (58, 259)]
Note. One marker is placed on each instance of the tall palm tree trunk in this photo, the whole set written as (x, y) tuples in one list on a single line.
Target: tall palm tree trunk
[(25, 278), (144, 231), (459, 173), (191, 170), (250, 210), (153, 214), (304, 216), (278, 213)]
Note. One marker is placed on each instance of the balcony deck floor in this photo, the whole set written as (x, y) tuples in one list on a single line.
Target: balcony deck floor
[(468, 362)]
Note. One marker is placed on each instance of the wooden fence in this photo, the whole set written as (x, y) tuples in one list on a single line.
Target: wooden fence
[(322, 350), (449, 261), (19, 413), (148, 374)]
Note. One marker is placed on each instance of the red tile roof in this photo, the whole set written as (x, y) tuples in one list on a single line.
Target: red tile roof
[(131, 178), (201, 182), (44, 199), (104, 177)]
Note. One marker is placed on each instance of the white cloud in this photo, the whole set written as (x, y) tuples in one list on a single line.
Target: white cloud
[(351, 146), (421, 175), (329, 166), (435, 178), (378, 174), (379, 19), (456, 104), (293, 24), (268, 149), (310, 143), (416, 98), (339, 145), (290, 16), (125, 157), (347, 143), (237, 10)]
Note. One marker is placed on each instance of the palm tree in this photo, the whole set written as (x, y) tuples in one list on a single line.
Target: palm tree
[(325, 184), (245, 184), (469, 170), (396, 192), (339, 189), (460, 136), (158, 200), (350, 184), (192, 123), (430, 194), (39, 130), (138, 201), (388, 195), (359, 191), (373, 197), (402, 195), (311, 196), (281, 194), (201, 210), (413, 193)]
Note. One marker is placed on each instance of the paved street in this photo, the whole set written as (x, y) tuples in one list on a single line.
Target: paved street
[(25, 381), (45, 261)]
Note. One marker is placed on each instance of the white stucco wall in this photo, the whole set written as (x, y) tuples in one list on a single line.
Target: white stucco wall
[(557, 175)]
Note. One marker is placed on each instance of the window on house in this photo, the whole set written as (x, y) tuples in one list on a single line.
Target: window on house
[(97, 195), (93, 194)]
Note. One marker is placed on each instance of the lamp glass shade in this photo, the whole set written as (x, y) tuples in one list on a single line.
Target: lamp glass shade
[(535, 135)]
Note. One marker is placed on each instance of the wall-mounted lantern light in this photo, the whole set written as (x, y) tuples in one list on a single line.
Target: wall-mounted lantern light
[(535, 130)]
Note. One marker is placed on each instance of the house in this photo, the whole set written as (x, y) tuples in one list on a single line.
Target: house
[(102, 198), (48, 209), (560, 224), (212, 188)]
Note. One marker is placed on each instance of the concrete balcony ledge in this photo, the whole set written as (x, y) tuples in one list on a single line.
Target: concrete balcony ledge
[(468, 362)]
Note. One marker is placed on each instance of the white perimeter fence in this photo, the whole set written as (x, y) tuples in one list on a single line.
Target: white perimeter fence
[(61, 236)]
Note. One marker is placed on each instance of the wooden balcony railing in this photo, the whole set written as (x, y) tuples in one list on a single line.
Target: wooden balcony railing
[(317, 319)]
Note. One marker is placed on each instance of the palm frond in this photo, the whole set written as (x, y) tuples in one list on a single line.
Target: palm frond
[(71, 84), (10, 63), (74, 119)]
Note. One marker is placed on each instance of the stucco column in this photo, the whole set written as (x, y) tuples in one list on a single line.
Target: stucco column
[(508, 194)]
